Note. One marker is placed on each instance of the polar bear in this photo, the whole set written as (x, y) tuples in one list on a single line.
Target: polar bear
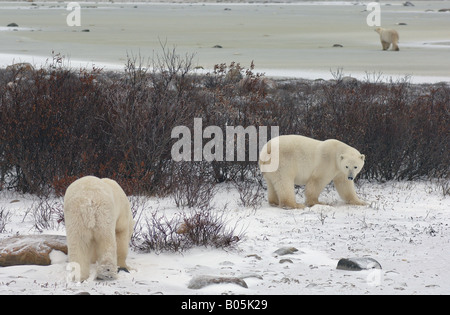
[(306, 161), (388, 37), (99, 225)]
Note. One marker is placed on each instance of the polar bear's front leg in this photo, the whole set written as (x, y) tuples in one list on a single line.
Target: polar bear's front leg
[(79, 255), (122, 239), (346, 190)]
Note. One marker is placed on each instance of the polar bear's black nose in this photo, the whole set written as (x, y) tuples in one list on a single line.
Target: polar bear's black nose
[(350, 178)]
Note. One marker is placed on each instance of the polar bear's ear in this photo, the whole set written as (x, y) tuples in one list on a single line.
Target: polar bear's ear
[(363, 157), (342, 157)]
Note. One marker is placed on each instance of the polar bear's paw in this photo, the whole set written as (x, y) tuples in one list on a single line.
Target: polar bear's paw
[(123, 269)]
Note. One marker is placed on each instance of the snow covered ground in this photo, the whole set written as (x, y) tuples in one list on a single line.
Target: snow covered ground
[(406, 229)]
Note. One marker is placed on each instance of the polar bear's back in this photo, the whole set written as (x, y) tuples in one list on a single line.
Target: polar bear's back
[(304, 154), (388, 35), (295, 152), (291, 146), (86, 201)]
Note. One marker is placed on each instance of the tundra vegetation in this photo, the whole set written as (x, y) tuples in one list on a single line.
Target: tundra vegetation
[(59, 124)]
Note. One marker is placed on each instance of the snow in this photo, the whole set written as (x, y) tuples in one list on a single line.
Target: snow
[(406, 229)]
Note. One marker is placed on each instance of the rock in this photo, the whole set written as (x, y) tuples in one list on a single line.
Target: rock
[(284, 261), (199, 282), (21, 67), (401, 23), (408, 4), (257, 257), (251, 275), (217, 46), (349, 80), (444, 10), (86, 30), (357, 264), (12, 25), (338, 45), (285, 251), (30, 249)]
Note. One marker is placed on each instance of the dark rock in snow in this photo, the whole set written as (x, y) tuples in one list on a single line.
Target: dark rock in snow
[(285, 251), (12, 25), (257, 257), (199, 282), (357, 264)]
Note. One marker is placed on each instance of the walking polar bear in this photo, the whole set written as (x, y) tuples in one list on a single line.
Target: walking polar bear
[(99, 225), (388, 37), (305, 161)]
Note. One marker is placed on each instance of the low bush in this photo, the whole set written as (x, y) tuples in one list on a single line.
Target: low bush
[(59, 124), (5, 216), (186, 230)]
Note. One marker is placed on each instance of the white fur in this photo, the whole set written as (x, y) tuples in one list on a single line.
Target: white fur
[(388, 37), (99, 226), (314, 163)]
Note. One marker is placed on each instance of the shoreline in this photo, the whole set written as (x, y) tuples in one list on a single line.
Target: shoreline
[(283, 39), (278, 74)]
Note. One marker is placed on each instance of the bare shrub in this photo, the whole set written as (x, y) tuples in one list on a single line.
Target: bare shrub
[(59, 124), (47, 213), (160, 235), (250, 189), (192, 186), (187, 230), (139, 206), (207, 228), (5, 216)]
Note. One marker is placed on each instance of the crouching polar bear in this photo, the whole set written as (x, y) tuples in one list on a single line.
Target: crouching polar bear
[(99, 226), (305, 161)]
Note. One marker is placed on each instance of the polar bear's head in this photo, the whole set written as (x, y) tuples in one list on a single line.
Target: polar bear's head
[(351, 164), (106, 271), (378, 30)]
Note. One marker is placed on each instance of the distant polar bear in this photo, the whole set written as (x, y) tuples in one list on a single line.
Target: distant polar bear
[(310, 162), (388, 37), (99, 226)]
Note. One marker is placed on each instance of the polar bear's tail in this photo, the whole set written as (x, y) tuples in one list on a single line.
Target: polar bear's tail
[(269, 156), (264, 155)]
